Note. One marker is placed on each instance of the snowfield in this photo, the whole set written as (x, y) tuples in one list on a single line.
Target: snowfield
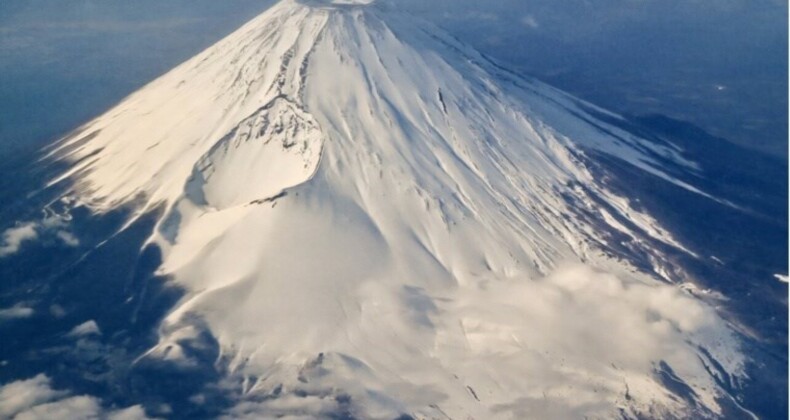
[(373, 218)]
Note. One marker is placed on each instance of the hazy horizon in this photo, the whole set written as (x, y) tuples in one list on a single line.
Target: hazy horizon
[(719, 65)]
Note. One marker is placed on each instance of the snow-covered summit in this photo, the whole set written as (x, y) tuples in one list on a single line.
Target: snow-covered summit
[(361, 206)]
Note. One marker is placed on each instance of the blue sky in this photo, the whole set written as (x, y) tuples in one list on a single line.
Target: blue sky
[(721, 64)]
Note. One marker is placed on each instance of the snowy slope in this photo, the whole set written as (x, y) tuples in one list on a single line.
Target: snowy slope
[(372, 218)]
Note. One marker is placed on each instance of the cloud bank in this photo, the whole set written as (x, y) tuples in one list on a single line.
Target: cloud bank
[(577, 343), (35, 399)]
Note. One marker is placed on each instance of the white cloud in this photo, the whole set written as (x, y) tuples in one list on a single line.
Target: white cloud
[(583, 335), (57, 311), (132, 413), (35, 399), (68, 238), (19, 396), (67, 408), (16, 312), (586, 341), (84, 329), (14, 237), (530, 21)]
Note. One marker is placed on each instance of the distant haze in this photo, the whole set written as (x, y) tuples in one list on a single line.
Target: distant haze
[(719, 64)]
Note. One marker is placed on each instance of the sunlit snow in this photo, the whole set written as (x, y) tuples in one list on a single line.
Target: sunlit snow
[(359, 205)]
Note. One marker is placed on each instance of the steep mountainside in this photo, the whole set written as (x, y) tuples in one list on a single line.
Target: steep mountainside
[(373, 220)]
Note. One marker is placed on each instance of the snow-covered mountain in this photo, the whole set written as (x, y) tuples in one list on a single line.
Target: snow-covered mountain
[(375, 220)]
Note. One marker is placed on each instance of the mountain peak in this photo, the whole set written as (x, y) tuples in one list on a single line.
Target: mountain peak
[(345, 200)]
